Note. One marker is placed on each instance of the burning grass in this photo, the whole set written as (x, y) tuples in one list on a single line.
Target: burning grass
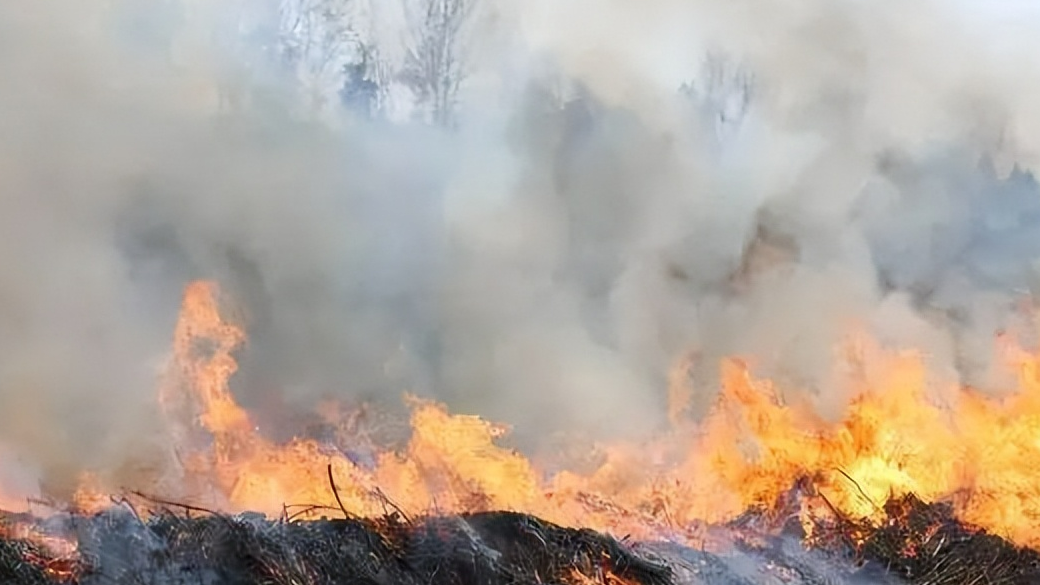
[(481, 513), (926, 544), (906, 539), (917, 543)]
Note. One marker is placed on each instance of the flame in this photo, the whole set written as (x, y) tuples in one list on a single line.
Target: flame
[(203, 343), (896, 438), (57, 554), (606, 578)]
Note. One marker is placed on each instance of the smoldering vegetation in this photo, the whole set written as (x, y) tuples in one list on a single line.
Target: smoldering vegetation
[(916, 543), (545, 227)]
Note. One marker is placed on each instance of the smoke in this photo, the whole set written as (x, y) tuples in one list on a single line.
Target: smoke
[(585, 226)]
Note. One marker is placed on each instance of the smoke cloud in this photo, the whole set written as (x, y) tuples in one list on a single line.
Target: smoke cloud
[(587, 224)]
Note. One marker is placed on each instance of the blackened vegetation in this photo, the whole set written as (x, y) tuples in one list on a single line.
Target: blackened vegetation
[(492, 548), (913, 541), (926, 545), (22, 562), (918, 543), (34, 561)]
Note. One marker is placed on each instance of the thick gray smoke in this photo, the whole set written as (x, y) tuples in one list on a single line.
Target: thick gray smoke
[(585, 224)]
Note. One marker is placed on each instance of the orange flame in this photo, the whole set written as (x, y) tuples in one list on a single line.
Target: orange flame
[(894, 439), (58, 554)]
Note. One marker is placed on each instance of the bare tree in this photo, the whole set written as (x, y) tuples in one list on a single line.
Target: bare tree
[(313, 39), (366, 81), (434, 68)]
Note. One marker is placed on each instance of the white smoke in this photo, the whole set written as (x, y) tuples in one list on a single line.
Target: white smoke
[(585, 225)]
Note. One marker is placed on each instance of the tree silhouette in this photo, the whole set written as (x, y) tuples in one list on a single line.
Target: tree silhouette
[(434, 69)]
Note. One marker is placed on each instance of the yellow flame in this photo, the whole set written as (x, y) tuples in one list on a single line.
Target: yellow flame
[(751, 449)]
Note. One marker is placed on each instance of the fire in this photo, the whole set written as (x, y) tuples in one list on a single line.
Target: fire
[(607, 578), (56, 554), (203, 343), (896, 438)]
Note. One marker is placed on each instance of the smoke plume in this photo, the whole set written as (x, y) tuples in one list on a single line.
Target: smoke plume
[(829, 167)]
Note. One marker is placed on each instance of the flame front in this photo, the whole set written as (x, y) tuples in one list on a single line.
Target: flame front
[(982, 453)]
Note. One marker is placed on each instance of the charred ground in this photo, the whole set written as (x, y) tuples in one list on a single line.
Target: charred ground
[(917, 543)]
